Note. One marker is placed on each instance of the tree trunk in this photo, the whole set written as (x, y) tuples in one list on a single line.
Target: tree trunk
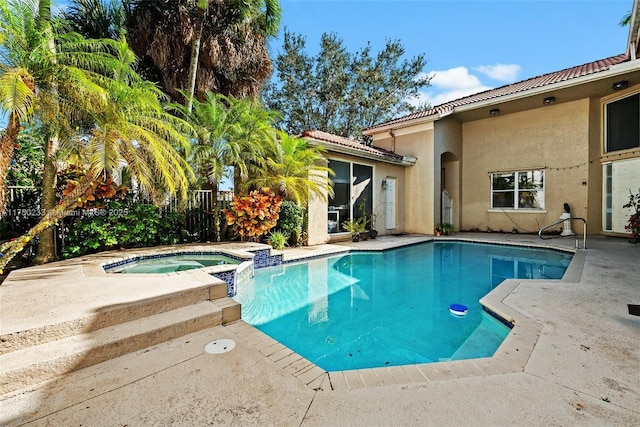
[(7, 147), (10, 249), (47, 239), (195, 51)]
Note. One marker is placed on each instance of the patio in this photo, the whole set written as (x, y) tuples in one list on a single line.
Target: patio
[(582, 367)]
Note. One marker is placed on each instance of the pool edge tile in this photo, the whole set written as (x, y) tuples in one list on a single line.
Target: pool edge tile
[(353, 379)]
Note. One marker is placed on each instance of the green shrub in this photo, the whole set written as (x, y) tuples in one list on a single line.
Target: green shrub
[(21, 213), (121, 224), (290, 221), (278, 240)]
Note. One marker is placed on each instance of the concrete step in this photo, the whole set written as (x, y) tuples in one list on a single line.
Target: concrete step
[(211, 289), (32, 365)]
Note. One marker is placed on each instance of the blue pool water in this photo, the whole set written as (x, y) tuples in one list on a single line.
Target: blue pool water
[(373, 309), (172, 263)]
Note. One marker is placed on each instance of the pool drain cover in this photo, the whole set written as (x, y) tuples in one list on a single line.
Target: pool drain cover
[(220, 346)]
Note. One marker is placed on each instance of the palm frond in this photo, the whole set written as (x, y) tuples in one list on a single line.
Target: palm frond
[(17, 93)]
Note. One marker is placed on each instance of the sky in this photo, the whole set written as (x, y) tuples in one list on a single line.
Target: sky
[(471, 45)]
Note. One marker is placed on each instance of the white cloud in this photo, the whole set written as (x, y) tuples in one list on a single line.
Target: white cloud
[(454, 83), (507, 73), (455, 79), (458, 82)]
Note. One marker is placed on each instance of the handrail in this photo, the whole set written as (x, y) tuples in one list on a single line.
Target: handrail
[(584, 230)]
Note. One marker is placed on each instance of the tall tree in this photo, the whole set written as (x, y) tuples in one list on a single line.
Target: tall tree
[(340, 92), (96, 19), (46, 248), (198, 24), (232, 133), (129, 127), (49, 76), (233, 57), (29, 87)]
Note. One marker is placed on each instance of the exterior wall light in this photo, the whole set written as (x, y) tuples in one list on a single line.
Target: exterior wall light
[(620, 85), (549, 100), (494, 112)]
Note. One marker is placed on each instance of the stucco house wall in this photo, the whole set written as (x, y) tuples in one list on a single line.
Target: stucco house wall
[(381, 172), (317, 217), (448, 167), (419, 184), (554, 139), (594, 178)]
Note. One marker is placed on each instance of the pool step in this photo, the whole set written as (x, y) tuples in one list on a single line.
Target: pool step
[(210, 289), (35, 364)]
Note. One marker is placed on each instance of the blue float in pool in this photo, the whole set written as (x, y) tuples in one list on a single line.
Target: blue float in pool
[(458, 309)]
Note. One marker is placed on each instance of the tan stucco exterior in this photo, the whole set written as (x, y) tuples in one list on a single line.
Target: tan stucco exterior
[(419, 179), (554, 139), (317, 218), (460, 151)]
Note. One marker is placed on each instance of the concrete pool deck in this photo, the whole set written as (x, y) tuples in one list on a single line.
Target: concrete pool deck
[(581, 367)]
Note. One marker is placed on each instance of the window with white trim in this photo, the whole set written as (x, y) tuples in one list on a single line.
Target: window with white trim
[(517, 190)]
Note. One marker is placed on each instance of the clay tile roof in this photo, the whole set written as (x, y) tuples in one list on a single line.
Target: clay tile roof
[(350, 143), (522, 86)]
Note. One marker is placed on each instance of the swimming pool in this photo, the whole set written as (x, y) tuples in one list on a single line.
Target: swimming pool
[(171, 263), (375, 309)]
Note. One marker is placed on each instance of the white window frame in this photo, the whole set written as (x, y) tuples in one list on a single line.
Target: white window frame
[(516, 190)]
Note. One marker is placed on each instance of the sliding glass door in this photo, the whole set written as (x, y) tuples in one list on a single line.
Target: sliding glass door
[(353, 188)]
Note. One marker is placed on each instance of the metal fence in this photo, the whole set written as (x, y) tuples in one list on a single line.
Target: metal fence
[(199, 213), (22, 211)]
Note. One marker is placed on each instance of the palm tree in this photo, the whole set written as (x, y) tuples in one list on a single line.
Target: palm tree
[(17, 85), (96, 19), (130, 127), (134, 129), (296, 170), (198, 24), (233, 57), (231, 133), (49, 77)]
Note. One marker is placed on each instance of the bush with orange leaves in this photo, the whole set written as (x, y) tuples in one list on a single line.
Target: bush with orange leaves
[(102, 189), (253, 215)]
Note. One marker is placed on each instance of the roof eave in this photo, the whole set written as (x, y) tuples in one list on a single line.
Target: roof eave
[(614, 70), (400, 125), (341, 149)]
